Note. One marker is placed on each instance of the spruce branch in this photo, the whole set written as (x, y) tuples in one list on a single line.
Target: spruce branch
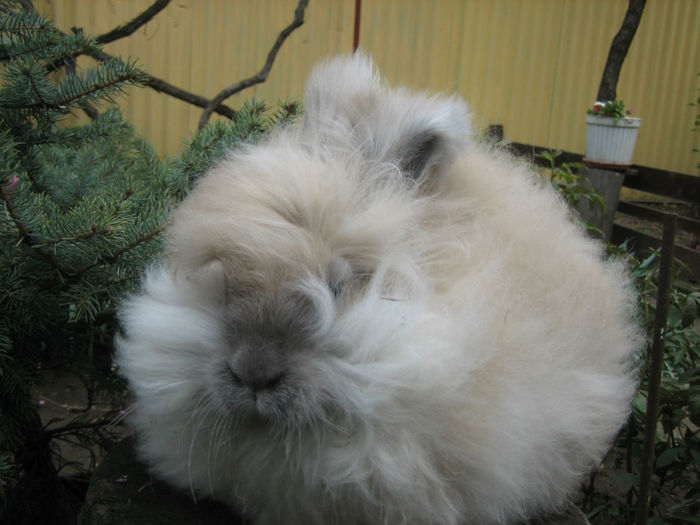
[(94, 230), (80, 236), (27, 4), (132, 26), (163, 86), (49, 45), (92, 83), (71, 275), (23, 51), (261, 75), (89, 110), (26, 235), (111, 259), (24, 232), (35, 89), (22, 23)]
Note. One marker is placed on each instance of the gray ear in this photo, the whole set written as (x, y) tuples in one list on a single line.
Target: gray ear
[(349, 109), (427, 146), (419, 151)]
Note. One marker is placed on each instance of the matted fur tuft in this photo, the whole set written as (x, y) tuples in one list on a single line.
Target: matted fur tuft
[(370, 319)]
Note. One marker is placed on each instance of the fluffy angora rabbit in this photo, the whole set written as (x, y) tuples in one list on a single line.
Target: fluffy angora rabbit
[(369, 318)]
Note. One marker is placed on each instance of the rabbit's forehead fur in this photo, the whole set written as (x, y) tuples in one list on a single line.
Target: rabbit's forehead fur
[(282, 211), (350, 183), (369, 318)]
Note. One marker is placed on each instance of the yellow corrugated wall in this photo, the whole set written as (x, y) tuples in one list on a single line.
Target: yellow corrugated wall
[(531, 65)]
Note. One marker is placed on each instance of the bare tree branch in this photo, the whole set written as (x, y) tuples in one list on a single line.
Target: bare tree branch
[(261, 76), (161, 85), (27, 4), (158, 84), (127, 29), (149, 80)]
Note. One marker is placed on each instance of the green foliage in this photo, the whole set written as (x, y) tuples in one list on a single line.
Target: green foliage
[(29, 34), (79, 206), (567, 181), (574, 187), (612, 108), (676, 481), (250, 123), (82, 210), (675, 495)]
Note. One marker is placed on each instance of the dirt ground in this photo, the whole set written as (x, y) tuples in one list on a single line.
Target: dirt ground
[(683, 237), (62, 398)]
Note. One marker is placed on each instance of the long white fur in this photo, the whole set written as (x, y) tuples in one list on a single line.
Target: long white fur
[(474, 367)]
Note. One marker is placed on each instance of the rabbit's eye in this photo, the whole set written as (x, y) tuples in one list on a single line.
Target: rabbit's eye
[(336, 289), (340, 272)]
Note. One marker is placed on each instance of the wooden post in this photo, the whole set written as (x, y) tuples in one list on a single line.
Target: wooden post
[(608, 184), (495, 132), (656, 364)]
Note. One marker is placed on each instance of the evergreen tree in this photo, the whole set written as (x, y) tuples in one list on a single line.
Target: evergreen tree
[(82, 212), (79, 205)]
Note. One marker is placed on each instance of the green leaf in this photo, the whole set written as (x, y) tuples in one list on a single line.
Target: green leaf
[(695, 454), (595, 511), (648, 261), (656, 521), (639, 403), (688, 518), (694, 410), (667, 457), (626, 480)]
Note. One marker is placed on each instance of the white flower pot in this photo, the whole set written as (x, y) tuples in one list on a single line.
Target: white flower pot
[(610, 144)]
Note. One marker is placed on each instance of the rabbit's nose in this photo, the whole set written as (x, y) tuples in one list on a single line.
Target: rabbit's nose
[(258, 384), (256, 378)]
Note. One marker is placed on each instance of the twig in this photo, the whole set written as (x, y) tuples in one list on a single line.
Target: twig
[(161, 85), (27, 4), (36, 90), (26, 235), (149, 80), (68, 273), (89, 110), (262, 75), (78, 424), (132, 26), (111, 259), (155, 83), (21, 227), (80, 236)]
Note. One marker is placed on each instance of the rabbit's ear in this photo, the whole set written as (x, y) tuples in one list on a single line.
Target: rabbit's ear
[(341, 96), (349, 110), (427, 133)]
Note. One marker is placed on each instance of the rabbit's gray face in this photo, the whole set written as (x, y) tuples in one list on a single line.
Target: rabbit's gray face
[(267, 337), (277, 342)]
